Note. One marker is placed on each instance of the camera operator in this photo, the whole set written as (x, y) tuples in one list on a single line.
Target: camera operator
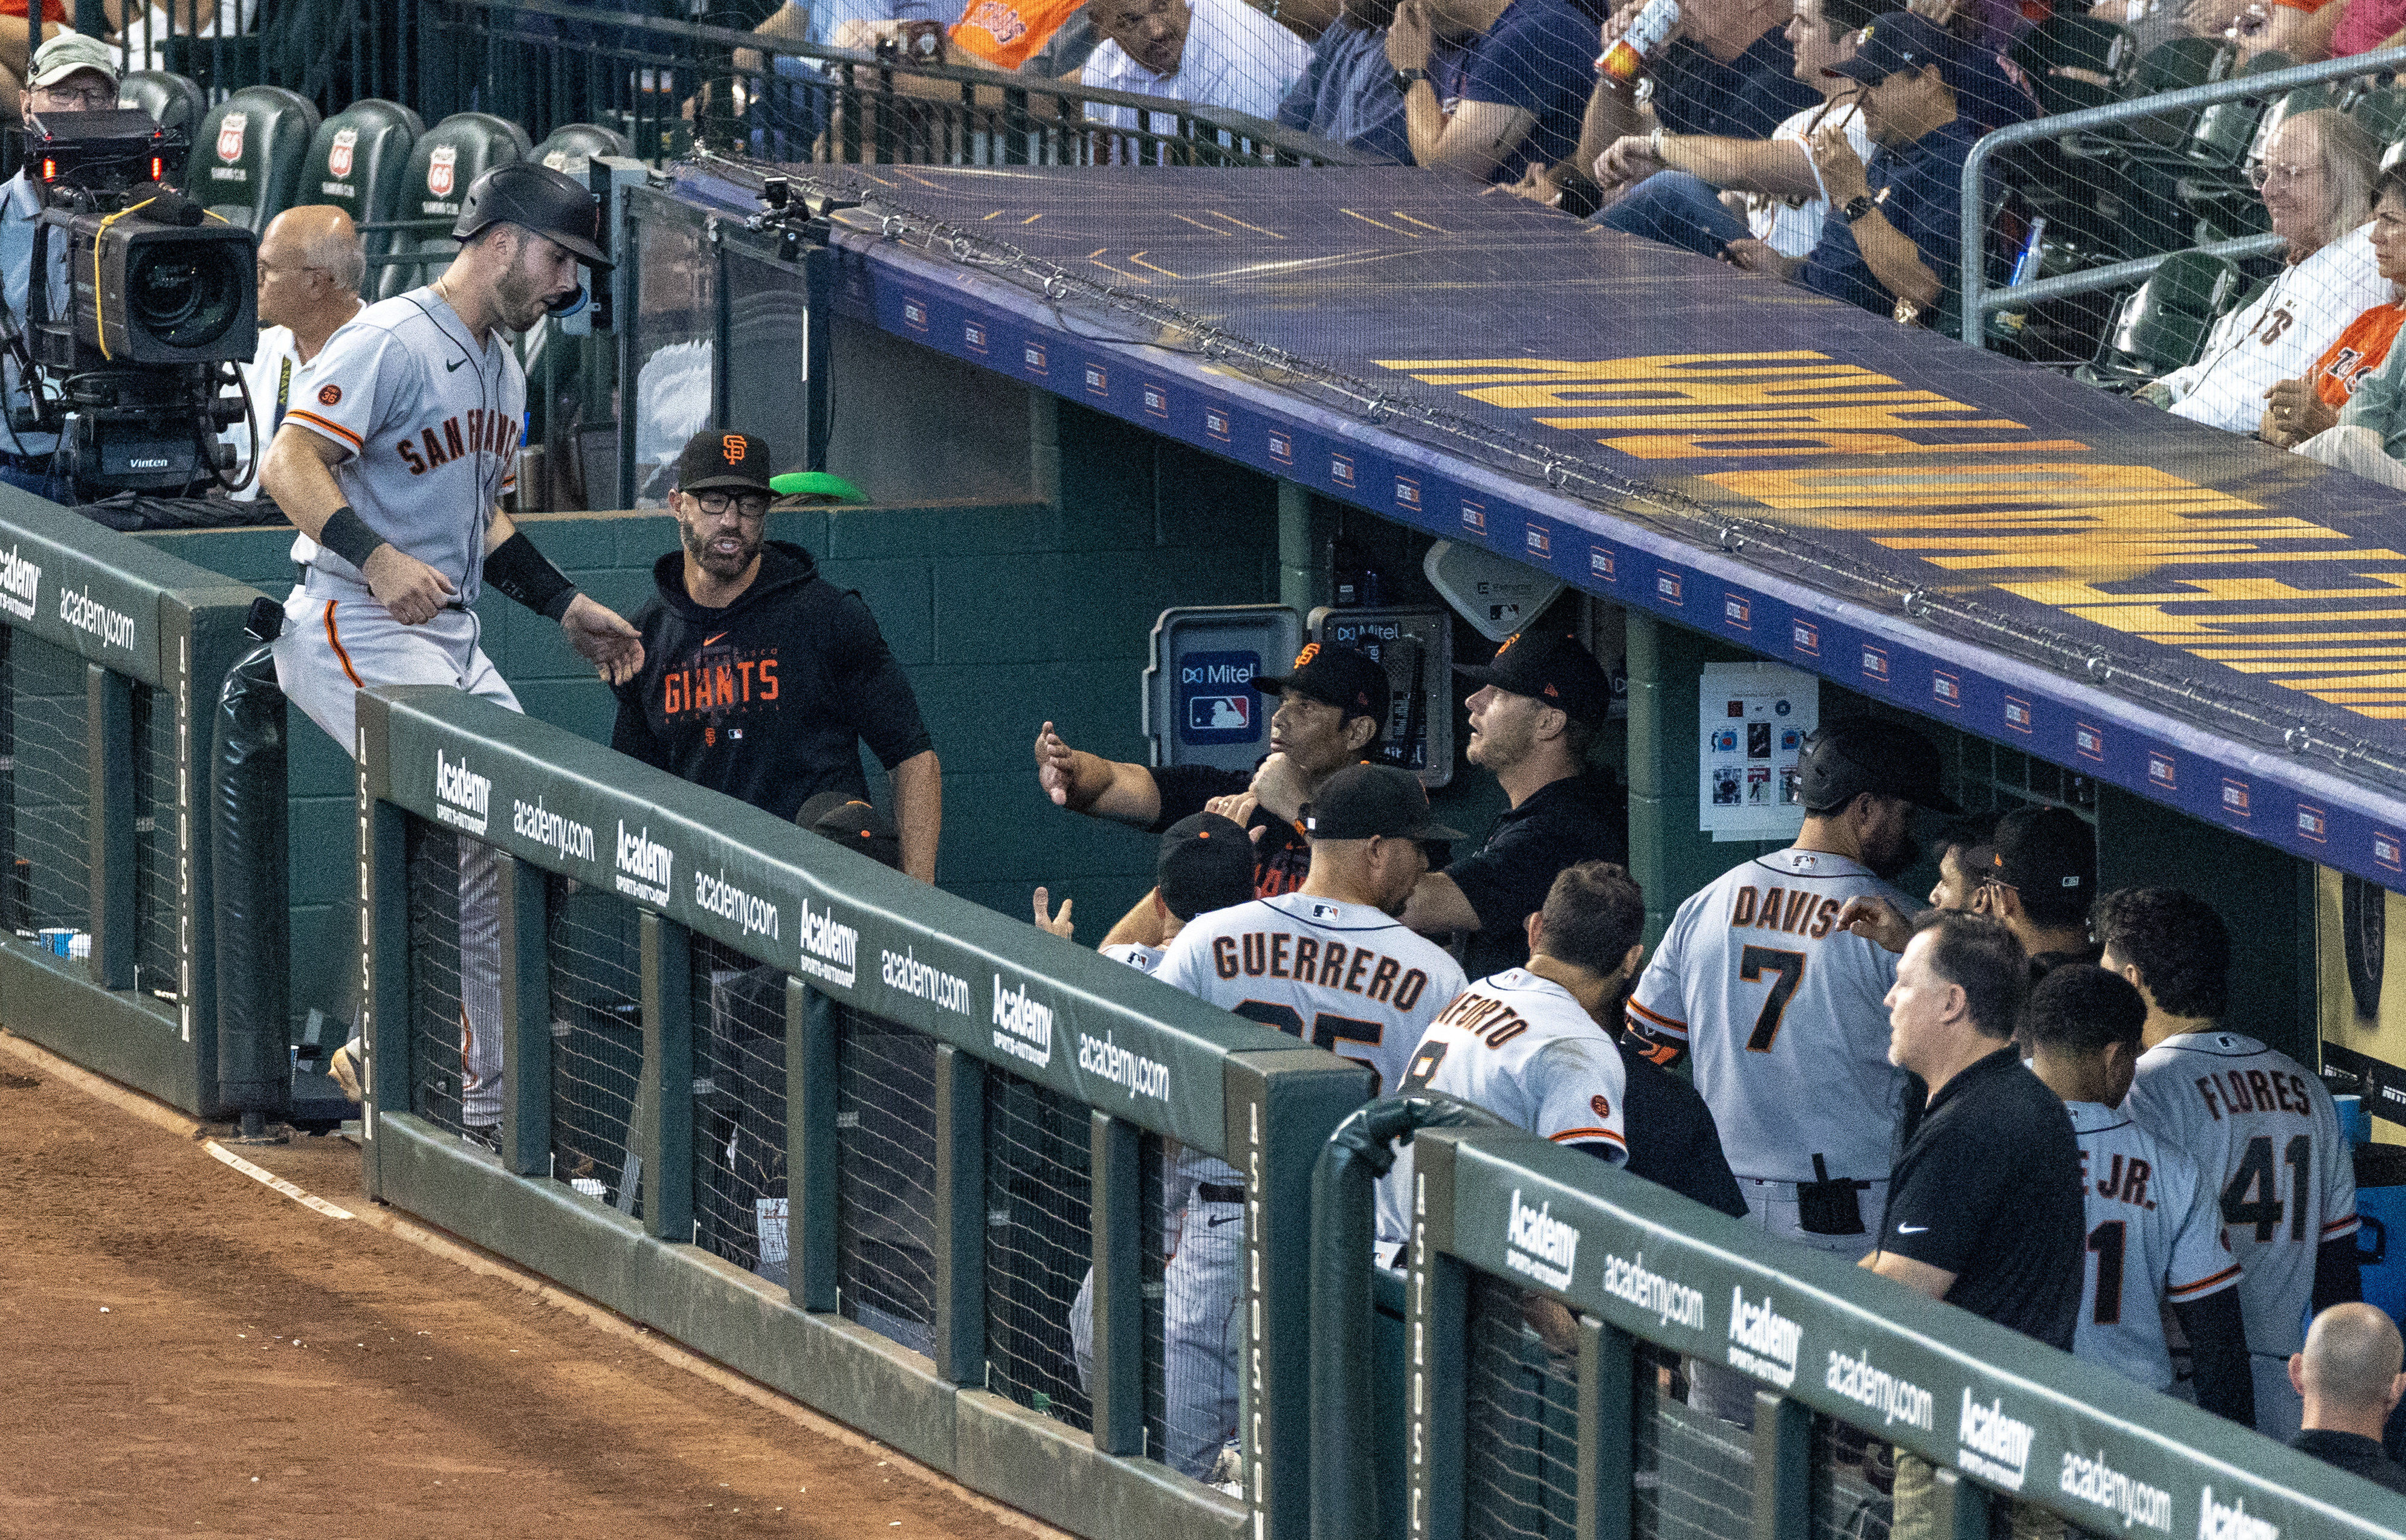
[(71, 73), (310, 263)]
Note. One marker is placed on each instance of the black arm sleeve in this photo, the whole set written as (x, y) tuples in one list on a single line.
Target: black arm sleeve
[(2336, 1282), (2218, 1345)]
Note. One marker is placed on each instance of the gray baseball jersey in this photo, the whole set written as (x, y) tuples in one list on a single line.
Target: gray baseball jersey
[(1781, 1010), (2265, 1139), (429, 422), (1521, 1047), (2155, 1237)]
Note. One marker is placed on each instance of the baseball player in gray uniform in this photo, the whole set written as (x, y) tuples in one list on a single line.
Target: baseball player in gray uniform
[(2155, 1233), (1779, 1003), (1330, 963), (2258, 1124), (394, 466)]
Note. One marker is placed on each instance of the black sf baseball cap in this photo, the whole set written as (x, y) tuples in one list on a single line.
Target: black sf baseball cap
[(1550, 667), (1340, 676), (855, 824), (1207, 863), (1364, 801), (714, 459), (1898, 40), (2043, 850)]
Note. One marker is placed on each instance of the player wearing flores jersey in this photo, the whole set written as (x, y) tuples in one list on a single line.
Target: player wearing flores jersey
[(1779, 1003), (2155, 1227), (1329, 964), (2258, 1124)]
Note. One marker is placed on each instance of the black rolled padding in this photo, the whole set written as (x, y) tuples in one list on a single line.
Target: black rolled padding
[(247, 851)]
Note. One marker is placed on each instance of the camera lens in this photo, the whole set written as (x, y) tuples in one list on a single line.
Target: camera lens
[(186, 295)]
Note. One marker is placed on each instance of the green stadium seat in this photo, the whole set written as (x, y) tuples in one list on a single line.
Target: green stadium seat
[(2382, 114), (358, 159), (174, 101), (447, 158), (2076, 62), (2163, 325), (245, 160)]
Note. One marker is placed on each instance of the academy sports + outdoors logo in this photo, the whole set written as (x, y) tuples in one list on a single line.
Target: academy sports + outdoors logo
[(829, 946), (643, 864), (1539, 1245), (1022, 1024), (1124, 1067), (535, 822), (87, 614), (1667, 1300), (1990, 1445), (2095, 1481), (903, 972), (1866, 1385), (21, 584), (1763, 1342), (753, 914), (2216, 1522), (465, 798)]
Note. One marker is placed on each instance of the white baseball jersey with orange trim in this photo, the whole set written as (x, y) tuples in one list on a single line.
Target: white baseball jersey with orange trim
[(1523, 1048), (2266, 1138), (2155, 1237), (1782, 1012), (429, 423)]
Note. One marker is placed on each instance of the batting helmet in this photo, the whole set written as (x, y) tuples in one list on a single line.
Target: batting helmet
[(1845, 759), (549, 203)]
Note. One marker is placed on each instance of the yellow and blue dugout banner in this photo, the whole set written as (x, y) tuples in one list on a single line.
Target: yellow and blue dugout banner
[(2185, 612)]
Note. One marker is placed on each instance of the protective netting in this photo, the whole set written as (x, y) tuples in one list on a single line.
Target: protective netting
[(885, 1176), (49, 878), (593, 948), (1038, 1243), (157, 888), (1520, 1475), (435, 1006), (1851, 1473), (739, 1108), (1694, 1472)]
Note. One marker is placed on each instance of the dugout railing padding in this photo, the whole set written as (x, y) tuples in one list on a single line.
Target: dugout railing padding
[(1012, 1013), (111, 655), (1520, 1420)]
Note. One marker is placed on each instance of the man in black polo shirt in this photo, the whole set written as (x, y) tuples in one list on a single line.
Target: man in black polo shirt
[(1725, 71), (1984, 1207), (1539, 706), (2348, 1375)]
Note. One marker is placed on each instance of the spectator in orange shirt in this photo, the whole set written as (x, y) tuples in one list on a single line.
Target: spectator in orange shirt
[(2297, 410)]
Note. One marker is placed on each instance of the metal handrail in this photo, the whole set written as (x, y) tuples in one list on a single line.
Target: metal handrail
[(1980, 301)]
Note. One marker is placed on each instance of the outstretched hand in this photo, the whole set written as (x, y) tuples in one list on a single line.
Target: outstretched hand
[(1877, 921), (1057, 924), (603, 638), (1056, 766)]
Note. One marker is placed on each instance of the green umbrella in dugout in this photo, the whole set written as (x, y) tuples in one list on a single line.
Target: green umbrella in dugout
[(817, 484)]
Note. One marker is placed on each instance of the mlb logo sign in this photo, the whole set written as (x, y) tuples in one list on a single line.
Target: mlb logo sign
[(230, 130), (1474, 519), (2087, 741), (1156, 400), (915, 315), (1215, 423), (338, 159), (2161, 771), (1538, 542), (1805, 637), (1341, 470), (1097, 383), (2387, 850), (1220, 714), (1281, 446), (1600, 564), (1875, 663), (2018, 713), (1947, 688), (1668, 586), (1033, 357), (1407, 494), (973, 336), (441, 170), (2234, 798), (1739, 611), (2313, 824)]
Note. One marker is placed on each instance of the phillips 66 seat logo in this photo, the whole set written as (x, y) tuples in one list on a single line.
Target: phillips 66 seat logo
[(440, 168), (230, 130), (338, 159)]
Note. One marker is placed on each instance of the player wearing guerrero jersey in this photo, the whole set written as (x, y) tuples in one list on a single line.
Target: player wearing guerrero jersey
[(2155, 1229), (2258, 1124), (1779, 1003), (394, 466), (1329, 964)]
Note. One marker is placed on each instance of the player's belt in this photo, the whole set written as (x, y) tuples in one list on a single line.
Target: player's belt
[(1220, 1192)]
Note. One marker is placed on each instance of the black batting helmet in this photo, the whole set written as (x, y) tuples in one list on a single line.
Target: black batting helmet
[(1845, 759), (549, 203)]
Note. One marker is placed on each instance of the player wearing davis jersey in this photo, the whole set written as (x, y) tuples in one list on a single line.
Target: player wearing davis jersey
[(1779, 1005), (2258, 1124), (1329, 964), (2155, 1233)]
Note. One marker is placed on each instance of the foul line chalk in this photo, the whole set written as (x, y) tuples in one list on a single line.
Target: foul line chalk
[(261, 1174)]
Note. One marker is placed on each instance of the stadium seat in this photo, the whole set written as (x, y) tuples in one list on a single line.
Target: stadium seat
[(246, 161), (573, 144), (357, 160), (174, 102), (2382, 114), (447, 158), (2074, 62), (2163, 325)]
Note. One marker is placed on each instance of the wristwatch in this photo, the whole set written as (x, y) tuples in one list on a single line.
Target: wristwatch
[(1404, 78), (1857, 207)]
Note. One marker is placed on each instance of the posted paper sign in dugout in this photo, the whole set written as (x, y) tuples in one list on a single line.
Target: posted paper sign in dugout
[(1753, 719)]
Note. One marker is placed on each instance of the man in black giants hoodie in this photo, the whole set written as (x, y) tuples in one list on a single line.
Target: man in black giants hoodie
[(760, 678)]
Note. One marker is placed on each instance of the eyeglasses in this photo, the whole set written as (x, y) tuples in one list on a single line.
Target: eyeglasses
[(748, 506), (90, 99), (2259, 174)]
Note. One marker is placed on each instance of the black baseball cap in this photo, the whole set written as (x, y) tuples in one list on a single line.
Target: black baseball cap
[(1363, 801), (1860, 754), (714, 459), (2043, 850), (1207, 863), (1550, 667), (1344, 678), (840, 816), (1898, 40)]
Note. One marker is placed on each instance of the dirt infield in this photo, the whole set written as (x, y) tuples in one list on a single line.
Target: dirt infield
[(189, 1353)]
